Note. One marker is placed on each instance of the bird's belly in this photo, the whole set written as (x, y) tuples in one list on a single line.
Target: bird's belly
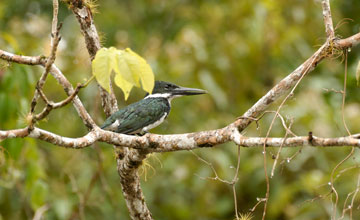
[(153, 125), (114, 126)]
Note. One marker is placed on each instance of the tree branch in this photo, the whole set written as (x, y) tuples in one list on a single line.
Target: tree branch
[(329, 27), (168, 143), (348, 42)]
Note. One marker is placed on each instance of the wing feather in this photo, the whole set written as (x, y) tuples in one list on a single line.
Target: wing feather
[(138, 115)]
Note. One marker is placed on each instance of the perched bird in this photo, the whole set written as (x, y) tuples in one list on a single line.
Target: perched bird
[(141, 116)]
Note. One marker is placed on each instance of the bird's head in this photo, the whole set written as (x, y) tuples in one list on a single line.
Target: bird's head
[(170, 90)]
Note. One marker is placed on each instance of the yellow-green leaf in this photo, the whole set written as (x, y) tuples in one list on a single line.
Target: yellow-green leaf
[(357, 74), (122, 67), (141, 69), (123, 84), (130, 69), (102, 67)]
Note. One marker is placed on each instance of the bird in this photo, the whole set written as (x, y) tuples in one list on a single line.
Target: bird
[(139, 117)]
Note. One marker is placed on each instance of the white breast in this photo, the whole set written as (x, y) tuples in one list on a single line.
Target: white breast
[(151, 126), (113, 126)]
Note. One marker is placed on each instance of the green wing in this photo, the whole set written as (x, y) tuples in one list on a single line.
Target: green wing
[(139, 115)]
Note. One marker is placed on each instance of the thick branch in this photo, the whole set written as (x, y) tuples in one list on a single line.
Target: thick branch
[(50, 137), (348, 42), (300, 141), (85, 18), (28, 60), (167, 143), (128, 162)]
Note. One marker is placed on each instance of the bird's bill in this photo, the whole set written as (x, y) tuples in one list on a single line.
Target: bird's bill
[(188, 91)]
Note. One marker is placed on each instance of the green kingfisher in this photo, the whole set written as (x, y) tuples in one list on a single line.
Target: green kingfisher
[(141, 116)]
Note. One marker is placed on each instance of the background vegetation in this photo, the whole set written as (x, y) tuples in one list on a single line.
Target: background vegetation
[(237, 50)]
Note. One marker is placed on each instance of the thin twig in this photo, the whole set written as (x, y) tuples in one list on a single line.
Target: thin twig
[(350, 207), (289, 159), (342, 22), (353, 198), (317, 198), (278, 153), (352, 149), (341, 172), (212, 168), (259, 201), (263, 114), (344, 94), (234, 181), (51, 105), (270, 127), (55, 39), (345, 209)]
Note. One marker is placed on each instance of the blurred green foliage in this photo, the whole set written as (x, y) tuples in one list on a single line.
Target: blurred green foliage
[(237, 50)]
